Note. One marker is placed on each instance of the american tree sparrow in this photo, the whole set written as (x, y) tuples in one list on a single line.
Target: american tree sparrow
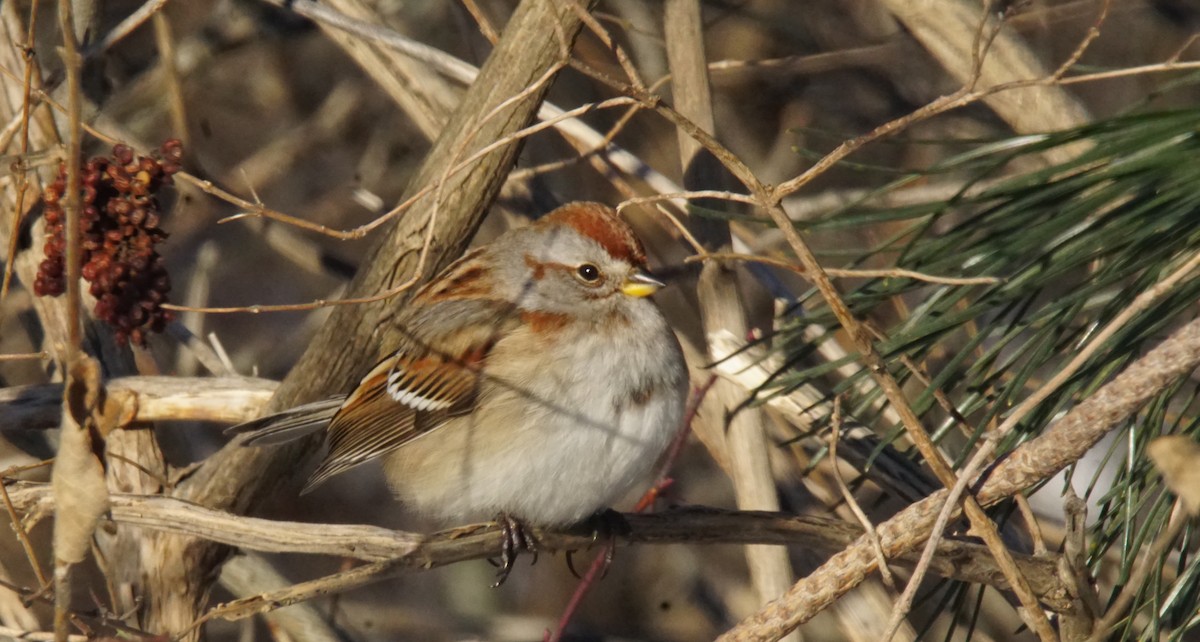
[(536, 381)]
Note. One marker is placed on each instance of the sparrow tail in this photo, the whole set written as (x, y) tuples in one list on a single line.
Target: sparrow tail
[(288, 425)]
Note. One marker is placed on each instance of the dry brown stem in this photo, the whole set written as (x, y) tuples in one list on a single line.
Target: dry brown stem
[(1034, 461), (848, 497), (959, 559), (152, 398), (237, 478), (722, 305), (849, 274), (22, 175)]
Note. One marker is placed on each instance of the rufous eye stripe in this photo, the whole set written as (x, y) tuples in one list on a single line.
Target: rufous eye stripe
[(539, 268)]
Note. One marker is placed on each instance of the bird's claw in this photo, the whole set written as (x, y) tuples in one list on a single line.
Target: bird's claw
[(608, 525), (516, 539)]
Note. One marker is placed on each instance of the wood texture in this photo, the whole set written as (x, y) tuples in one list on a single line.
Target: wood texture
[(1062, 444), (219, 399), (236, 479), (949, 29), (720, 298), (959, 559)]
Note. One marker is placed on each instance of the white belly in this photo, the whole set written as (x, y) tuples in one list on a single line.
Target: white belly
[(552, 459)]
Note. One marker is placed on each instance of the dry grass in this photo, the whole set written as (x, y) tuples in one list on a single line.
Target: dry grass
[(286, 122)]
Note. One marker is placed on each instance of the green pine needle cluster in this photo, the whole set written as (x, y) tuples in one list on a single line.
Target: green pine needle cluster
[(1071, 246)]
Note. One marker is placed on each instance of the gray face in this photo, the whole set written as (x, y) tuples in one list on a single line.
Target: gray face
[(563, 271)]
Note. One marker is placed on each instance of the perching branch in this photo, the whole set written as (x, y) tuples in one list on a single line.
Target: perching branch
[(957, 559), (1060, 445)]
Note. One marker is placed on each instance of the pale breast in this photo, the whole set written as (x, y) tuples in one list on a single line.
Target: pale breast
[(558, 434)]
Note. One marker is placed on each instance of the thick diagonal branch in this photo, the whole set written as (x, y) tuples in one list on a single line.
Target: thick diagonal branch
[(1039, 459), (535, 41)]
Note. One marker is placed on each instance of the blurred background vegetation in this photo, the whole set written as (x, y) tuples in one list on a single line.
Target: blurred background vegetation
[(1073, 223)]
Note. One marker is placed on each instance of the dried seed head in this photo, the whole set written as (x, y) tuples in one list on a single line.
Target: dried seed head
[(119, 221)]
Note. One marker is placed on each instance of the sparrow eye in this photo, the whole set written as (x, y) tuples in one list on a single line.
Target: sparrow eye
[(588, 273)]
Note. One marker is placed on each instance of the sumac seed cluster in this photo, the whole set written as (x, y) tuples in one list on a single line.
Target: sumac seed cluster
[(119, 226)]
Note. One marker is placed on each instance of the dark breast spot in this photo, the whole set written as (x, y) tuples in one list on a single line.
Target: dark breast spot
[(642, 396)]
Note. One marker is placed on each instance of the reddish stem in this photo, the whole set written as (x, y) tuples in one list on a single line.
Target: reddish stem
[(661, 483)]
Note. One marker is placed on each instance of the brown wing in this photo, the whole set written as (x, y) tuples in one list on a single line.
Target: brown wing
[(401, 399)]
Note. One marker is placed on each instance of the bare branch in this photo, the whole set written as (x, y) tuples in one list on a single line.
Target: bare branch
[(959, 559), (1060, 445), (219, 399)]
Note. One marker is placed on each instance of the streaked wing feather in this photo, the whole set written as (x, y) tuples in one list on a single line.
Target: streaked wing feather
[(430, 383), (399, 400)]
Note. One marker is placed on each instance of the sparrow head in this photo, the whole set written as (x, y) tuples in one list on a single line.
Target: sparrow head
[(580, 262), (580, 258)]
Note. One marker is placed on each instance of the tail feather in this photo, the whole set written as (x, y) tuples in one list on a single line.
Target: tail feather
[(884, 464), (289, 424)]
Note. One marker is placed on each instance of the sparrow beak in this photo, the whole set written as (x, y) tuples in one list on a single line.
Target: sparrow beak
[(639, 284)]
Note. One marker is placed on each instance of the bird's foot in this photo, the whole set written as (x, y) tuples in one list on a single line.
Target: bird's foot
[(517, 538), (606, 525)]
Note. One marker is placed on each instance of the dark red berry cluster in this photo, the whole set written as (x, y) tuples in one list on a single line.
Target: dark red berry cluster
[(118, 222)]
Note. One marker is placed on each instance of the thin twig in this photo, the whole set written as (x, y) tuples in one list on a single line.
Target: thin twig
[(1032, 525), (889, 273), (986, 450), (848, 497), (22, 535), (1157, 68), (127, 26), (22, 170), (688, 195), (41, 636), (590, 577), (1088, 38), (481, 20), (71, 202), (165, 42), (26, 356)]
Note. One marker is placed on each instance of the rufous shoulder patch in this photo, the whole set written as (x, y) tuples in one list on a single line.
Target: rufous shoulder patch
[(545, 322)]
